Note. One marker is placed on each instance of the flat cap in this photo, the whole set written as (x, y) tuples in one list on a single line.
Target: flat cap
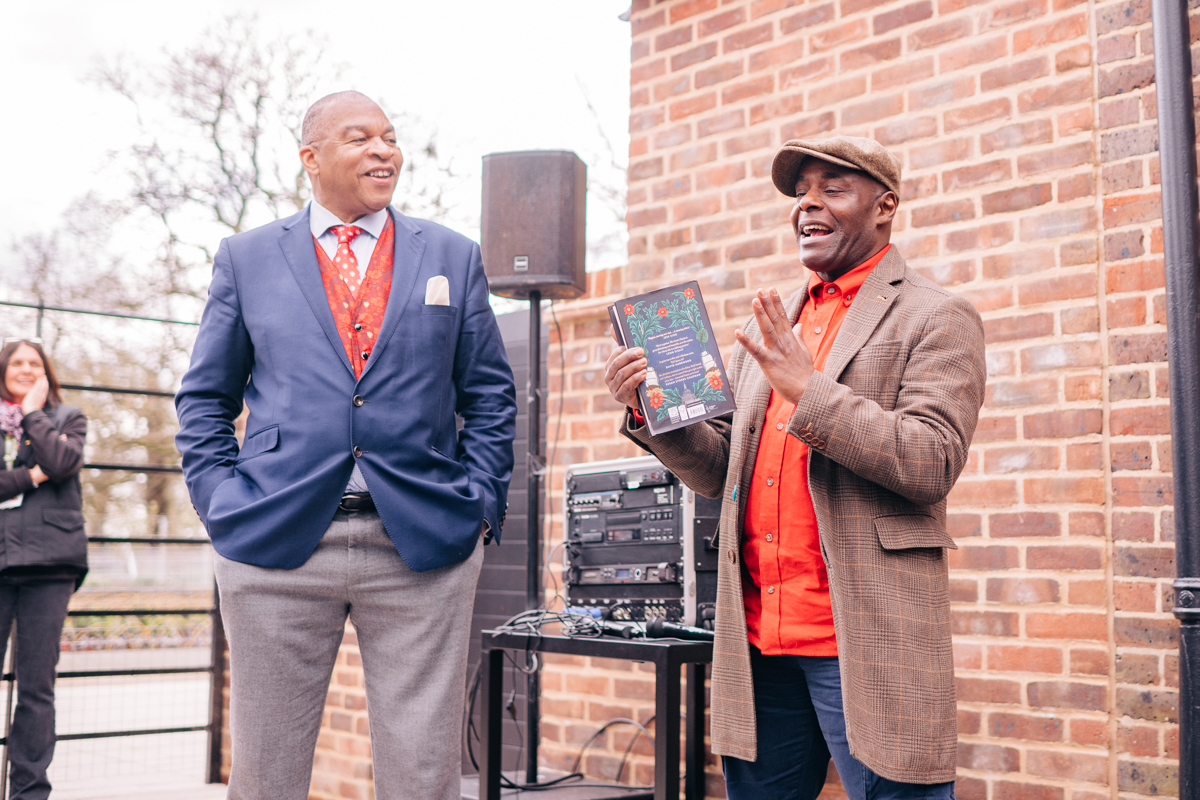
[(854, 152)]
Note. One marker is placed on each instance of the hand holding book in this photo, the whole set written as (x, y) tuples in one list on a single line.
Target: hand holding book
[(671, 366)]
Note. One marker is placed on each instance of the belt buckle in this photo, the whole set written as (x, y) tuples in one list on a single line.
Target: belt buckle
[(352, 502)]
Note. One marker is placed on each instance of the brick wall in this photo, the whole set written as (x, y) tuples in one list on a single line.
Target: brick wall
[(1028, 140)]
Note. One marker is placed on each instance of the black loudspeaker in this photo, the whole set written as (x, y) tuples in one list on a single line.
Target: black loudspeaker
[(533, 223)]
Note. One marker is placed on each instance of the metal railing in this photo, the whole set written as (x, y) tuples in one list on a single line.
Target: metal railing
[(216, 666)]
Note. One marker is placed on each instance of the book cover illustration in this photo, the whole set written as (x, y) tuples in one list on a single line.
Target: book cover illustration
[(685, 376)]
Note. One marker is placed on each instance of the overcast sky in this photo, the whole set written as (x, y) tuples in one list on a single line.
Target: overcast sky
[(492, 75)]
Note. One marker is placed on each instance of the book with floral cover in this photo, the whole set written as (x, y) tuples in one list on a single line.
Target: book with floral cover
[(685, 376)]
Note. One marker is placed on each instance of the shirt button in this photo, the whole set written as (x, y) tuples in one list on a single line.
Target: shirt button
[(849, 297), (357, 326), (817, 329), (770, 481), (357, 452), (770, 590), (770, 538), (831, 289), (778, 426), (358, 400), (365, 354)]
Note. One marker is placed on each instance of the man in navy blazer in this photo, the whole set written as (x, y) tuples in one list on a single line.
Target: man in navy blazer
[(355, 494)]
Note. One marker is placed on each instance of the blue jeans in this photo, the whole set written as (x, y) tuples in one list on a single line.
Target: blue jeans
[(798, 701)]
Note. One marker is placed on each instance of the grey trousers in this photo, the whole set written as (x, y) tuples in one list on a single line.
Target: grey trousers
[(285, 627)]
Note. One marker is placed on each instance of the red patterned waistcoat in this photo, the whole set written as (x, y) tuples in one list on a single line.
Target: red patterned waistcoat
[(359, 315)]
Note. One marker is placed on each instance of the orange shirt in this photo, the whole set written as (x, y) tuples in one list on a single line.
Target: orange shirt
[(786, 588)]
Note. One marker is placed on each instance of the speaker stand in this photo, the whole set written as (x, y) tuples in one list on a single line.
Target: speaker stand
[(533, 541)]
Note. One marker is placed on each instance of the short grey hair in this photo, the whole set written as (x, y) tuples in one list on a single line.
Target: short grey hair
[(315, 119)]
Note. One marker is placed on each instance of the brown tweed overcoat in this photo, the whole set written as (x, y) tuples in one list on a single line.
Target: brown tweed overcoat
[(889, 422)]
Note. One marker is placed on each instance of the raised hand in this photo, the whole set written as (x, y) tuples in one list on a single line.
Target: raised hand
[(36, 398), (782, 354)]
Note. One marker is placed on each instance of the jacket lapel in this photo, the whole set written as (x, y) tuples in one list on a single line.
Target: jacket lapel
[(876, 296), (297, 245), (406, 266)]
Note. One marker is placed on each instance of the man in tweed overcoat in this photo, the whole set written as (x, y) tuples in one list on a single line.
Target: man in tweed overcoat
[(883, 422)]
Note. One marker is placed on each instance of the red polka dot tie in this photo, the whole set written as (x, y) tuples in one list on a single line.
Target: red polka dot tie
[(343, 259)]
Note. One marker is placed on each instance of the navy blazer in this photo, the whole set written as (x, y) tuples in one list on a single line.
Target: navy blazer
[(267, 337)]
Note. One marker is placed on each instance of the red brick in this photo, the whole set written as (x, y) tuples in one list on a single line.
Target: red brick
[(1131, 209), (1058, 158), (1064, 557), (1023, 658), (1084, 456), (1007, 790), (1012, 73), (1126, 78), (1065, 694), (1139, 276), (757, 248), (690, 8), (980, 690), (1018, 199), (747, 38), (781, 54), (830, 38), (646, 23), (1025, 523), (808, 126), (1003, 725), (874, 109), (718, 73), (988, 757), (1055, 290), (998, 16), (1088, 661), (940, 33), (786, 105), (983, 493), (1019, 134), (1059, 30), (996, 429), (693, 157), (693, 105), (673, 38), (837, 91), (1067, 626), (1142, 490), (978, 51), (943, 213), (1022, 591), (1058, 224), (940, 93), (806, 19), (1122, 15), (983, 558), (1073, 90), (1078, 767), (720, 123), (1064, 490), (695, 55), (803, 74), (1019, 394), (719, 22), (906, 129), (1142, 421)]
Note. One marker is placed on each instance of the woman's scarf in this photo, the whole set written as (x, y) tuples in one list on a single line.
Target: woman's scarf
[(10, 419)]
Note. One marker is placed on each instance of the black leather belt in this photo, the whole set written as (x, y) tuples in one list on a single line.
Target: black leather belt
[(357, 501)]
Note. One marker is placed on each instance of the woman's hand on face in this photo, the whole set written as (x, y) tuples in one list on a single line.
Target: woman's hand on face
[(624, 371), (36, 398), (37, 476)]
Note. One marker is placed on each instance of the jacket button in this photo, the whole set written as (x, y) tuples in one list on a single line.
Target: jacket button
[(752, 429), (365, 354), (732, 556), (358, 401), (358, 452)]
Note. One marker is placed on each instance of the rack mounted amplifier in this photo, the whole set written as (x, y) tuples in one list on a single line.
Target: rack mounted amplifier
[(639, 543)]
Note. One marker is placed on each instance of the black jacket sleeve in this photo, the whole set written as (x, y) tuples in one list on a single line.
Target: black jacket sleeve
[(13, 482), (58, 451)]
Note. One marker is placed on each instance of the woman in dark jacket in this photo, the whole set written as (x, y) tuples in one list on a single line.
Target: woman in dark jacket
[(43, 549)]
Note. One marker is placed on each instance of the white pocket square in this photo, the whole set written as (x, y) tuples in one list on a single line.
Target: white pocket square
[(437, 291)]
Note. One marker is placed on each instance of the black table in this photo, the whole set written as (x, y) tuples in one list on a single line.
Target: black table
[(667, 655)]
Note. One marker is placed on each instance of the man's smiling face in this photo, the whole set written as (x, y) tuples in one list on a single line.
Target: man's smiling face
[(355, 161), (841, 217)]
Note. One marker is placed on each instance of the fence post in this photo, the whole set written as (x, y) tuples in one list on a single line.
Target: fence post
[(216, 710)]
